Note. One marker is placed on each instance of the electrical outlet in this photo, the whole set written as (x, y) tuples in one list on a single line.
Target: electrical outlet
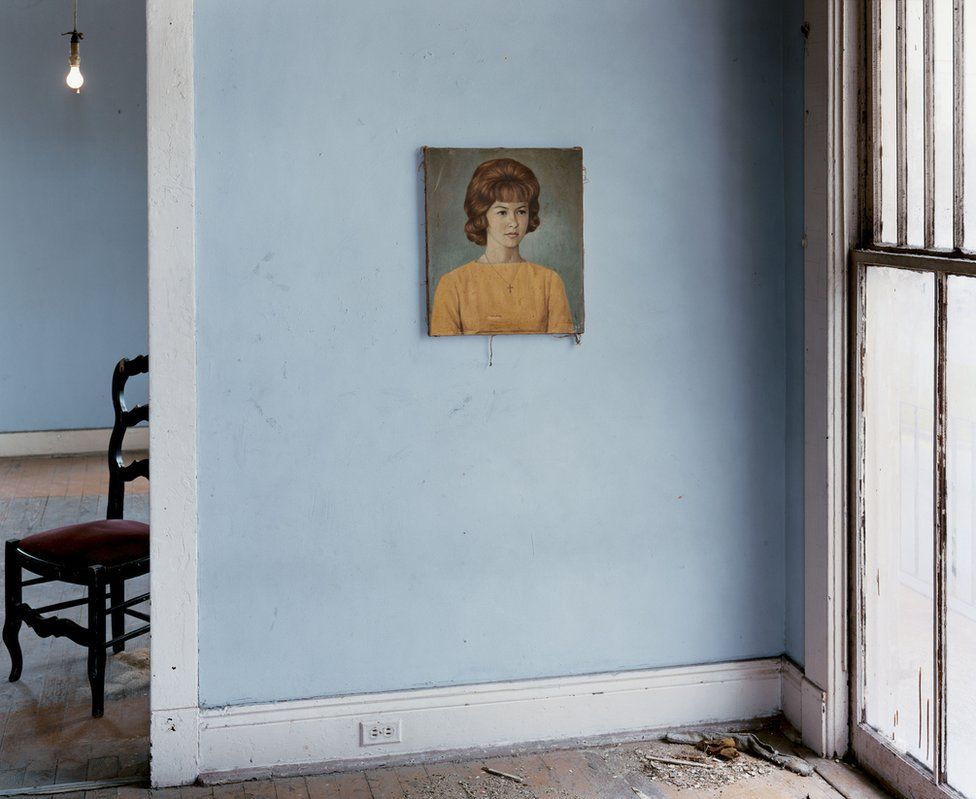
[(387, 731)]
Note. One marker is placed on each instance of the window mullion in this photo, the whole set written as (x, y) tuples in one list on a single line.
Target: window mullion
[(901, 106), (940, 532), (928, 71), (958, 121), (875, 170)]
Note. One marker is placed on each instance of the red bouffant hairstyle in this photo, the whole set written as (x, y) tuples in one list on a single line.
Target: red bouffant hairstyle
[(501, 180)]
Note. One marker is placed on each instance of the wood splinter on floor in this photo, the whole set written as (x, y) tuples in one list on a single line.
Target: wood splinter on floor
[(505, 774), (675, 762)]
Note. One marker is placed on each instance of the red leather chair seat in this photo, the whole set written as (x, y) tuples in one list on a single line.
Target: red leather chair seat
[(107, 542)]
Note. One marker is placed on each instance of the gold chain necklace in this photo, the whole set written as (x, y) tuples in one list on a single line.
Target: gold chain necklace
[(511, 288)]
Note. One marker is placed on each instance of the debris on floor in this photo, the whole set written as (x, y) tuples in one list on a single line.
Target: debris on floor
[(473, 789), (743, 742), (489, 785), (719, 747), (702, 774), (511, 783), (485, 789), (682, 766)]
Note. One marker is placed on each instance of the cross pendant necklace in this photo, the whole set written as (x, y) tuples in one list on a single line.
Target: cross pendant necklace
[(510, 287)]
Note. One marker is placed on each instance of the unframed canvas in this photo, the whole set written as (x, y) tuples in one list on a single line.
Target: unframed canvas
[(504, 241)]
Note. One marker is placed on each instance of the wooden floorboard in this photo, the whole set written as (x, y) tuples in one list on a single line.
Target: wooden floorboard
[(538, 776), (413, 780), (323, 786), (384, 784), (460, 780), (260, 789), (846, 780), (353, 786), (576, 775), (291, 788), (231, 791)]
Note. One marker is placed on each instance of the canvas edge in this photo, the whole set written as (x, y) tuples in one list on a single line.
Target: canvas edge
[(427, 291), (582, 243)]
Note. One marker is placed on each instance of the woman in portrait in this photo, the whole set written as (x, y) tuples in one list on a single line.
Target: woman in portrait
[(500, 292)]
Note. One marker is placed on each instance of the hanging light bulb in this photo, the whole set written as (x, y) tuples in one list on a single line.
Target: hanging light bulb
[(75, 79)]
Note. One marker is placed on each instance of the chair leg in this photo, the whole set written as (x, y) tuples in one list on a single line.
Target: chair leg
[(13, 596), (96, 639), (117, 597)]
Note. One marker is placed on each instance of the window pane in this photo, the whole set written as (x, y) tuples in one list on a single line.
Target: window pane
[(915, 115), (887, 127), (942, 25), (898, 494), (961, 495)]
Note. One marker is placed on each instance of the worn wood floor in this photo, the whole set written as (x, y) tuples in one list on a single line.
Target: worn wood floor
[(47, 735)]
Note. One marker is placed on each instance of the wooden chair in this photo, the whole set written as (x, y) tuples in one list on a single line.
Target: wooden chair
[(100, 555)]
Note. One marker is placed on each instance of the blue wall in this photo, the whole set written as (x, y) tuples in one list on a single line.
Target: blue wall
[(382, 510), (793, 50), (72, 211)]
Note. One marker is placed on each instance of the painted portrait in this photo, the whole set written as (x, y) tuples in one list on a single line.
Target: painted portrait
[(504, 241)]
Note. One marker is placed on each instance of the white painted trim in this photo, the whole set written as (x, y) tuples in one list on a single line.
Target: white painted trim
[(68, 442), (830, 218), (791, 700), (325, 732), (803, 703), (901, 775), (172, 390)]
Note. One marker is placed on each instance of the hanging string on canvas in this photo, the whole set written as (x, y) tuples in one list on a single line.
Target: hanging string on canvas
[(491, 351)]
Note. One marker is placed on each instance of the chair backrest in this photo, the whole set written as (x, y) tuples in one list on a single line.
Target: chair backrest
[(118, 472)]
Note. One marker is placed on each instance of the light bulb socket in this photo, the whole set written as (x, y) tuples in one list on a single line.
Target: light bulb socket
[(74, 59)]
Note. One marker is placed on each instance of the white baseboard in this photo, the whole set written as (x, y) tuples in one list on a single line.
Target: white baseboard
[(326, 731), (68, 442), (791, 699), (804, 706)]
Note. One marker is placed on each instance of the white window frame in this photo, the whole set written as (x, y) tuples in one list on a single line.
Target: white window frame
[(832, 78), (872, 750)]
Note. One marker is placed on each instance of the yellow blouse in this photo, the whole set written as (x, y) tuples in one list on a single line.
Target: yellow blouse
[(490, 299)]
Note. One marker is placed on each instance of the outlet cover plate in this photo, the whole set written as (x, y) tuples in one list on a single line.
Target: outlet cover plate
[(380, 731)]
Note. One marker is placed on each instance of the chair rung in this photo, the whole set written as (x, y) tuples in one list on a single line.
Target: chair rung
[(129, 602), (36, 581), (71, 603), (131, 634), (136, 614)]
